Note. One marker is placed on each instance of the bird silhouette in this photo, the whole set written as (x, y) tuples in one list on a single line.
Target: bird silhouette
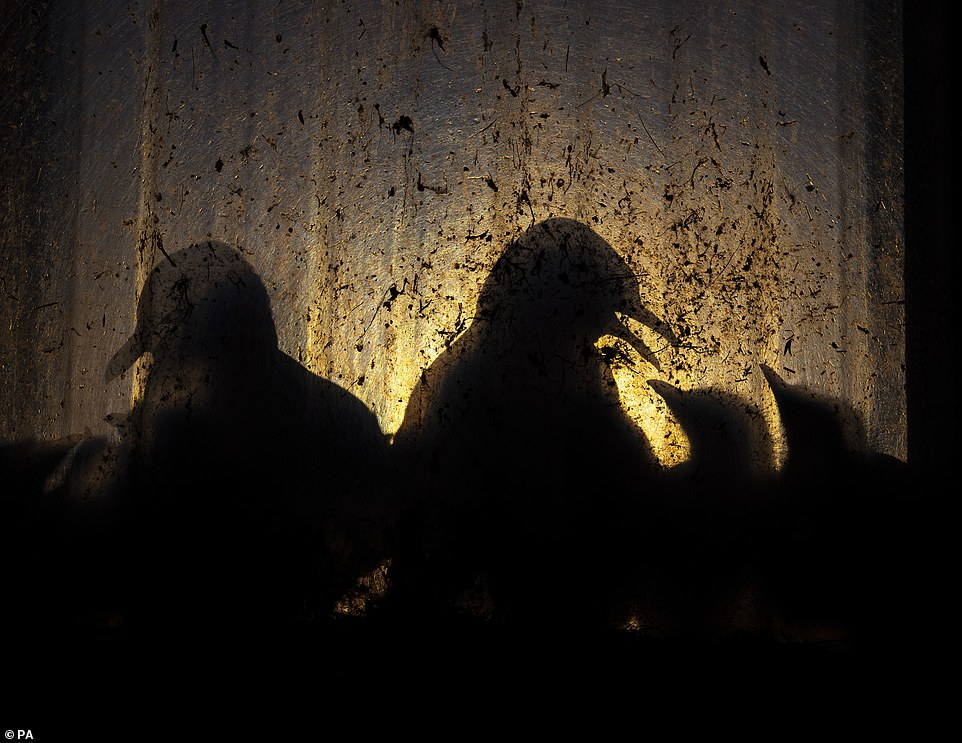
[(242, 492), (837, 528), (708, 515), (526, 465), (728, 437)]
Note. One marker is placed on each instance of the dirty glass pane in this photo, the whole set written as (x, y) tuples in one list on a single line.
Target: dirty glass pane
[(475, 258)]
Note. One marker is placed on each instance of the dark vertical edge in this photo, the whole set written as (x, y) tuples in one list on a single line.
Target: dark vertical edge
[(929, 332), (884, 86), (31, 305), (928, 266), (19, 72)]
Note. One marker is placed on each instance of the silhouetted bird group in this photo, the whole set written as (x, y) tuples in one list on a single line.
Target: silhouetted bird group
[(243, 492)]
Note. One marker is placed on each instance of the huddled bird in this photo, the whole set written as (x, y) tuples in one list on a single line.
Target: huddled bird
[(815, 545), (265, 474), (838, 532), (728, 437), (526, 467), (702, 547), (241, 491)]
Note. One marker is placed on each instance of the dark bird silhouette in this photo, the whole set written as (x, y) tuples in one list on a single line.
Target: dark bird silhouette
[(257, 482), (241, 493), (838, 523), (728, 437), (525, 463), (707, 517)]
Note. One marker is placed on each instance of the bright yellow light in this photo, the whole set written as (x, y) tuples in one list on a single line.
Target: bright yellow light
[(138, 385), (643, 405)]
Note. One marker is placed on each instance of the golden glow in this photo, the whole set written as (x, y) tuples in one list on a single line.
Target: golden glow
[(778, 452), (369, 587), (402, 374), (138, 384), (643, 405), (148, 231)]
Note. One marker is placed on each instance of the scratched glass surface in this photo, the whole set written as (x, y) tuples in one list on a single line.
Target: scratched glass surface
[(373, 160)]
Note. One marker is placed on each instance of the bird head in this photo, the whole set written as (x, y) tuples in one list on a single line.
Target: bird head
[(727, 435), (561, 283), (821, 433), (202, 303)]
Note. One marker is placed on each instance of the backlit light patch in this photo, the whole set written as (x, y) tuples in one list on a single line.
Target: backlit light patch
[(645, 408)]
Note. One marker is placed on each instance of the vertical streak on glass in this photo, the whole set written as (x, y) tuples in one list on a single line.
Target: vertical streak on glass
[(149, 237), (883, 81), (321, 253)]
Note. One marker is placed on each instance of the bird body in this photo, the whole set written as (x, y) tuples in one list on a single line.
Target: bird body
[(263, 472), (522, 453), (839, 530), (240, 490)]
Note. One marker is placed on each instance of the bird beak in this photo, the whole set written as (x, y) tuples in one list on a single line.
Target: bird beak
[(775, 382), (125, 358), (642, 316)]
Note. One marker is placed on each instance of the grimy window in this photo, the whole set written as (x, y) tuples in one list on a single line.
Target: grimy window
[(506, 311)]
